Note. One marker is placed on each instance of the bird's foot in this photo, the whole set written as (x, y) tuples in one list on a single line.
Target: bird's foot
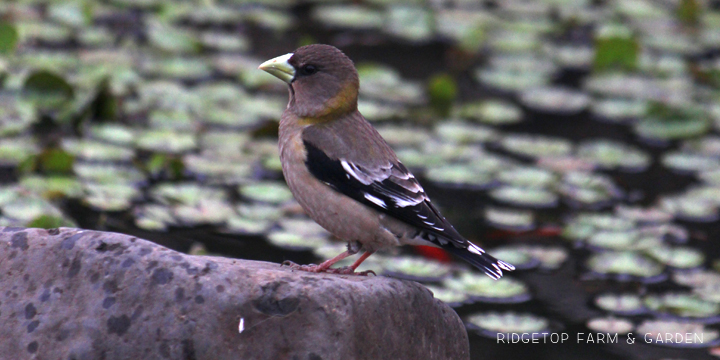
[(345, 270)]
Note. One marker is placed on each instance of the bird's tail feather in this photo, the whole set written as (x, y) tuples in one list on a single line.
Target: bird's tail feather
[(481, 260)]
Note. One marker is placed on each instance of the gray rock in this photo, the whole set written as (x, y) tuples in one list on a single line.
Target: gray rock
[(79, 294)]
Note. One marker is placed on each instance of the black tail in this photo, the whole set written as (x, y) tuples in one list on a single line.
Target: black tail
[(478, 258)]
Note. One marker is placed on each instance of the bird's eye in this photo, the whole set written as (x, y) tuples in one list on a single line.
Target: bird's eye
[(308, 70)]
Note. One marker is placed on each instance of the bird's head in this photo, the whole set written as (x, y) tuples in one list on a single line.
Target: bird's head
[(323, 81)]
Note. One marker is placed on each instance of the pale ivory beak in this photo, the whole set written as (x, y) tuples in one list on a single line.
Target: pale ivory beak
[(280, 68)]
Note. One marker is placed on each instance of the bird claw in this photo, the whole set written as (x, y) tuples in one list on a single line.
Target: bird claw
[(345, 270)]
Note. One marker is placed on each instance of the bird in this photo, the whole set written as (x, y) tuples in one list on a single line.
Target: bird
[(343, 173)]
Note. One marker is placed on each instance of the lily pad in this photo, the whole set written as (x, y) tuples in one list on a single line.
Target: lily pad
[(268, 192), (484, 289), (294, 241), (492, 324), (510, 219), (610, 325), (626, 266), (684, 306), (525, 196), (416, 269), (622, 304), (453, 298)]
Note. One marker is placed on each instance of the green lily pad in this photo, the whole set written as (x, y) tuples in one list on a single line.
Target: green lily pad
[(511, 219), (625, 304), (110, 197), (203, 212), (535, 146), (589, 190), (25, 209), (670, 130), (461, 132), (625, 265), (412, 23), (614, 155), (482, 288), (170, 38), (527, 176), (348, 16), (48, 90), (416, 269), (186, 193), (15, 150), (268, 192), (677, 257), (383, 82), (247, 226), (556, 100), (459, 175), (166, 141), (8, 38), (618, 109), (524, 196), (295, 241), (493, 112), (453, 298), (97, 151), (681, 305), (690, 162), (509, 323), (153, 217), (52, 187)]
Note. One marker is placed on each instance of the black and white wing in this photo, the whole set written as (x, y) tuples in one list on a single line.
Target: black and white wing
[(390, 188)]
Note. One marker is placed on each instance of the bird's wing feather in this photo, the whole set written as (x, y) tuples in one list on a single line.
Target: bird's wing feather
[(389, 188)]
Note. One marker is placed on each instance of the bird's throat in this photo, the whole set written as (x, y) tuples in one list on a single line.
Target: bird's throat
[(341, 104)]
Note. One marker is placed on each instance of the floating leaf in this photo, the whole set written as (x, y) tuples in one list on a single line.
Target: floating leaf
[(443, 90), (8, 38), (48, 90), (50, 222), (615, 48), (170, 38), (527, 325)]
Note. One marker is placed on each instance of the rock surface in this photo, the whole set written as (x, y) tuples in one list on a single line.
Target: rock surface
[(79, 294)]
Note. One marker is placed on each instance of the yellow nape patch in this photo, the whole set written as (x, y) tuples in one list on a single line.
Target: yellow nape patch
[(342, 103)]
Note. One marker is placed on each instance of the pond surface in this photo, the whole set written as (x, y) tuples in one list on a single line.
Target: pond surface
[(575, 139)]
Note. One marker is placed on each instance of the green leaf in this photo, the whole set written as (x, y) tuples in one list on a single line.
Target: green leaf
[(8, 38), (171, 39), (48, 90), (616, 49), (55, 161), (171, 166), (689, 12), (443, 91), (50, 222)]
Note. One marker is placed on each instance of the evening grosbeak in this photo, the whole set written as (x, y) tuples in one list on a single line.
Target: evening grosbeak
[(345, 176)]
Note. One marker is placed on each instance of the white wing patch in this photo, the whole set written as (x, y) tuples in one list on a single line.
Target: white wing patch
[(505, 265), (352, 170), (476, 250), (376, 201), (406, 201), (374, 178)]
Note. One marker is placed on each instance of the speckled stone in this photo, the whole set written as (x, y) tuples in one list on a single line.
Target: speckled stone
[(79, 294)]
